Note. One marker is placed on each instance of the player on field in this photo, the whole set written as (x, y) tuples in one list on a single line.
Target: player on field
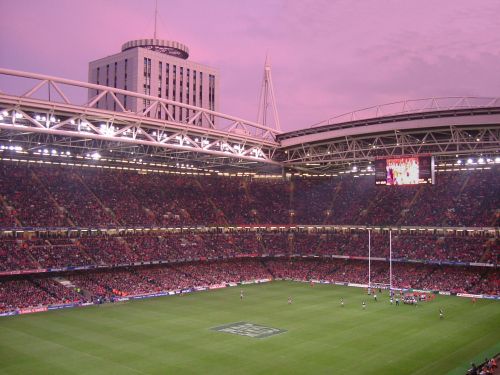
[(397, 301), (441, 313), (241, 294), (392, 300), (341, 302), (289, 300), (364, 305), (375, 297)]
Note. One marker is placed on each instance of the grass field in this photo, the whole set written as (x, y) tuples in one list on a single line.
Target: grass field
[(174, 335)]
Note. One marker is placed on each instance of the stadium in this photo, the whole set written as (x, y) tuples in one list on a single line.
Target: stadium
[(139, 242)]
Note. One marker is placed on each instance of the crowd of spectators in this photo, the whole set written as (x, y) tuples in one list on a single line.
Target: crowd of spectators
[(7, 216), (27, 198), (297, 269), (114, 283), (488, 367), (15, 256), (22, 293), (227, 271), (81, 206), (457, 199), (61, 196), (58, 253), (417, 276), (146, 280), (50, 196), (106, 250)]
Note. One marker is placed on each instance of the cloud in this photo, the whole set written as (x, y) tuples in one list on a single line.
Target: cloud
[(328, 57)]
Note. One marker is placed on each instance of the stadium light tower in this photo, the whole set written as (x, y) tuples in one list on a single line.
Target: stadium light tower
[(267, 99)]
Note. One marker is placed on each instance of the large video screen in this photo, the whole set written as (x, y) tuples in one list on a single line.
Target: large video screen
[(404, 171)]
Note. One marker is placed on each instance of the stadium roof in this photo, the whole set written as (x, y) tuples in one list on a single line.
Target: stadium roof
[(44, 119)]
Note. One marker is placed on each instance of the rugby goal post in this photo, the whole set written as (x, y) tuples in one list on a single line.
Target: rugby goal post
[(379, 285)]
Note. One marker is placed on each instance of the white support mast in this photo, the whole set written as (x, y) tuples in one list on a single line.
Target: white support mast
[(390, 259), (369, 259), (156, 16), (267, 98)]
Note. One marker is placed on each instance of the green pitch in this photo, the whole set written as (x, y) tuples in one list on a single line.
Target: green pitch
[(195, 334)]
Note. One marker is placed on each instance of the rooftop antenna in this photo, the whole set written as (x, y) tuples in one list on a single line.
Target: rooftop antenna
[(267, 98), (156, 16)]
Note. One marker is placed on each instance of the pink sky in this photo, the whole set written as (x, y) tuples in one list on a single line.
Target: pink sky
[(328, 57)]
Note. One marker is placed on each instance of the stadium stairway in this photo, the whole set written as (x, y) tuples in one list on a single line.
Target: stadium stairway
[(464, 184), (82, 249), (312, 269), (497, 370), (126, 246), (64, 282), (410, 205), (219, 213), (182, 272), (462, 188), (331, 204), (495, 219), (366, 211), (150, 214), (8, 211), (68, 284), (267, 268), (98, 200), (253, 212), (490, 251), (291, 203), (62, 210), (28, 253)]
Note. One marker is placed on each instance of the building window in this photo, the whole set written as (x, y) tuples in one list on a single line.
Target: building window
[(194, 87), (211, 94), (181, 89), (114, 84), (167, 85), (201, 89), (188, 75), (167, 76), (147, 76), (147, 81), (97, 82), (160, 81), (174, 89), (106, 105), (125, 76)]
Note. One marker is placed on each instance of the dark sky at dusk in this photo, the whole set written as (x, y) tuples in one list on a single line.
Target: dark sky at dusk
[(328, 57)]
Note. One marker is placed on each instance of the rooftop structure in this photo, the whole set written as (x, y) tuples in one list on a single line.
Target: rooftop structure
[(168, 47), (159, 68)]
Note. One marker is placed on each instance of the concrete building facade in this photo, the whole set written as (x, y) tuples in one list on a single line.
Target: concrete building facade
[(158, 68)]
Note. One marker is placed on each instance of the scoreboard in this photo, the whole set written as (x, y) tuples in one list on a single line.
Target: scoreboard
[(411, 170)]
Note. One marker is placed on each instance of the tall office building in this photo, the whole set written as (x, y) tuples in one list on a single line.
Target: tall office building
[(159, 68)]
